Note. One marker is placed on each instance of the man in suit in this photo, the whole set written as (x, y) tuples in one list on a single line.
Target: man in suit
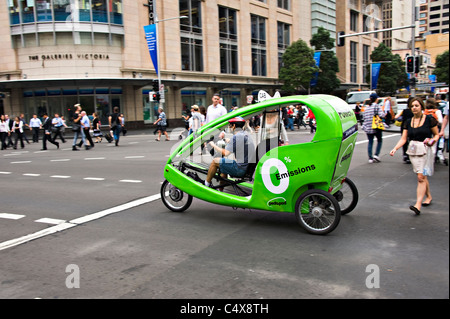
[(47, 126)]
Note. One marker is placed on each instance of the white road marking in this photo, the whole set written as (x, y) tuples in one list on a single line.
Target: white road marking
[(130, 181), (21, 162), (5, 173), (51, 221), (387, 136), (131, 157), (59, 176), (11, 216), (60, 160), (32, 175), (94, 158), (77, 221), (94, 178)]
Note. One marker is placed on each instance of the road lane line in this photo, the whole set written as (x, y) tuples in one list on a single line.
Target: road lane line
[(387, 136), (32, 175), (5, 173), (60, 160), (21, 162), (94, 178), (59, 176), (130, 181), (77, 221), (51, 221), (11, 216)]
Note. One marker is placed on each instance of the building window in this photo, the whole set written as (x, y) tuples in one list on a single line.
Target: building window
[(228, 41), (191, 36), (366, 57), (284, 4), (259, 55), (353, 21), (193, 10), (353, 62)]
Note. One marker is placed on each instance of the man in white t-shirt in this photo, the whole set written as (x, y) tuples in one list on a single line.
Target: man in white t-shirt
[(215, 110)]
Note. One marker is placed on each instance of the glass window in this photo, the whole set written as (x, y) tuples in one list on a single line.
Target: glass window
[(116, 11), (61, 9), (99, 11), (284, 35), (191, 54), (44, 10), (14, 17), (191, 9), (28, 11), (258, 30)]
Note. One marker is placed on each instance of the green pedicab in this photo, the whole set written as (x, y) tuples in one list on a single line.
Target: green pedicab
[(308, 179)]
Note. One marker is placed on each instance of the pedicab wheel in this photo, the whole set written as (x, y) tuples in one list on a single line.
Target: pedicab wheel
[(175, 199), (317, 211), (347, 196)]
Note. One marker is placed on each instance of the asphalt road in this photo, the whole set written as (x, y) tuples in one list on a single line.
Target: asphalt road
[(89, 224)]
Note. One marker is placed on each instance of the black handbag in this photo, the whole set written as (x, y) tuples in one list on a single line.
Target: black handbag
[(76, 127)]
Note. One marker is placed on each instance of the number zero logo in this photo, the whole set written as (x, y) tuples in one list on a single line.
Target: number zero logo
[(265, 173)]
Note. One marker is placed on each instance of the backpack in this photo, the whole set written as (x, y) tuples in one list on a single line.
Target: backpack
[(431, 112)]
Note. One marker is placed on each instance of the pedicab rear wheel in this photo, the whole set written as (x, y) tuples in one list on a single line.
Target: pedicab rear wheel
[(347, 196), (175, 199), (317, 211)]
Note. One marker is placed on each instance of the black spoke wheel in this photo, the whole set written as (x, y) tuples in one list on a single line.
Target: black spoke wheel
[(347, 196), (175, 199), (317, 211)]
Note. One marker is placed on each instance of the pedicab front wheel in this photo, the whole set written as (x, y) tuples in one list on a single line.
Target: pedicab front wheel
[(347, 196), (317, 211), (175, 199)]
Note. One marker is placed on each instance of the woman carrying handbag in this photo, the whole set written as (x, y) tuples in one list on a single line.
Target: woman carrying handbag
[(422, 132)]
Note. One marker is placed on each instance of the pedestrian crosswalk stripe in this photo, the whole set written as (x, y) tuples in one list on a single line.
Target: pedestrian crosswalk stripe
[(11, 216)]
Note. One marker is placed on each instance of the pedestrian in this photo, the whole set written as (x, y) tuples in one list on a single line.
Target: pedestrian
[(86, 127), (423, 133), (312, 121), (370, 111), (96, 128), (195, 119), (300, 116), (215, 110), (4, 131), (9, 122), (431, 109), (123, 129), (115, 123), (25, 125), (47, 126), (358, 112), (162, 124), (405, 115), (35, 125), (17, 130), (76, 128), (58, 124), (388, 111), (291, 116)]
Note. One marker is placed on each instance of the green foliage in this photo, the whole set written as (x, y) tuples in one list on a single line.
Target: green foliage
[(327, 81), (442, 67), (298, 67), (392, 75)]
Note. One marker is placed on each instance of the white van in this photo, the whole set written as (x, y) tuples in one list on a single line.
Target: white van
[(357, 96)]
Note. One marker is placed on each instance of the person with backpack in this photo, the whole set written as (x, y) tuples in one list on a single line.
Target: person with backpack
[(115, 124)]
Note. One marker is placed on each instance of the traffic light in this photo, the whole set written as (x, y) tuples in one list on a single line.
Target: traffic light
[(410, 64), (152, 96), (417, 64), (157, 97), (340, 42), (156, 86)]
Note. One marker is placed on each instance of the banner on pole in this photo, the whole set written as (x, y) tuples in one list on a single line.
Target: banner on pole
[(314, 80), (375, 74), (151, 36)]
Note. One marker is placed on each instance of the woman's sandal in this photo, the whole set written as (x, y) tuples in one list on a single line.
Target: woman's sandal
[(414, 209)]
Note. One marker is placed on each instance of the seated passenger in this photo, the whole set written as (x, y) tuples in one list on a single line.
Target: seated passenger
[(241, 145)]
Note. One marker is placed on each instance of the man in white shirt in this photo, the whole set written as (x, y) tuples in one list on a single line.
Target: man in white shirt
[(35, 125), (215, 110)]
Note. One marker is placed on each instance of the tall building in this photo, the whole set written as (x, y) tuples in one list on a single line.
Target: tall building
[(433, 17), (57, 53), (323, 14), (397, 13), (352, 17)]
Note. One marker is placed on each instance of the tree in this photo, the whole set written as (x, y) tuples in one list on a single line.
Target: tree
[(298, 67), (327, 81), (442, 66), (392, 75)]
